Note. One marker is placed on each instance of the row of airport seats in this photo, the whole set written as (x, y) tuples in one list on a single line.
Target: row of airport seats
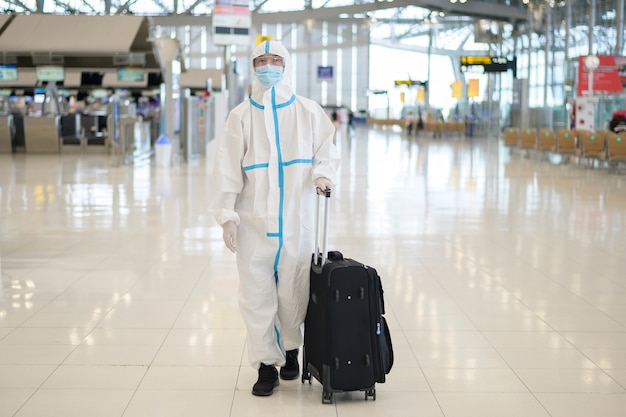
[(601, 145), (448, 127)]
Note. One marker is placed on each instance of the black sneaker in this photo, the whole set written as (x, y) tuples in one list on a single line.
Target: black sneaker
[(291, 370), (268, 380)]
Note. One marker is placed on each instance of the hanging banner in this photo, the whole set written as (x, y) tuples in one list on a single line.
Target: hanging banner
[(606, 78), (457, 89), (421, 95), (231, 22), (472, 88)]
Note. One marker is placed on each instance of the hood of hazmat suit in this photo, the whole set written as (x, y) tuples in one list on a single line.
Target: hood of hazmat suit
[(273, 148)]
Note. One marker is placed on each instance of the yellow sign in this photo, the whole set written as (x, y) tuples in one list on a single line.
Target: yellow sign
[(476, 60), (421, 95), (262, 38), (402, 96), (457, 89), (472, 88)]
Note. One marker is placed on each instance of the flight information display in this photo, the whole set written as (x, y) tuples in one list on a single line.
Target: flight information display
[(487, 64), (8, 72), (50, 73)]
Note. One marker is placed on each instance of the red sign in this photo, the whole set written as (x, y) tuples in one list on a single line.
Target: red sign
[(606, 77), (620, 61)]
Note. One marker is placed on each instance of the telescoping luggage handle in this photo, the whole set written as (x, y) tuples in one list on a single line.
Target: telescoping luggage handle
[(324, 233)]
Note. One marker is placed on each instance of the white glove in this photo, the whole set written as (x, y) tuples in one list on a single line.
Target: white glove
[(230, 235), (322, 184)]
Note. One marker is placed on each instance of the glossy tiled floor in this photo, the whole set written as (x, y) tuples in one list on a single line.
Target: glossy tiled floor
[(505, 281)]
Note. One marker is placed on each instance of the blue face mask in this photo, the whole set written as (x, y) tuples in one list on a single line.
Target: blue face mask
[(269, 75)]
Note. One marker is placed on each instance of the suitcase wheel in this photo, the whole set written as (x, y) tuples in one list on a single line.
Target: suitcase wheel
[(327, 397), (370, 393)]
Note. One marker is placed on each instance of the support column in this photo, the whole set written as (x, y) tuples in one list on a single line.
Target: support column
[(592, 24), (167, 49), (525, 87), (566, 47), (619, 28), (428, 85), (546, 60)]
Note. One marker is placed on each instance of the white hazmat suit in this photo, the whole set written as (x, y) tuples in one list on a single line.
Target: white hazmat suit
[(273, 149)]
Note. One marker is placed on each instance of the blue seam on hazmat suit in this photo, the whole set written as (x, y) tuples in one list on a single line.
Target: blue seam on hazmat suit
[(285, 164), (281, 165), (278, 340), (281, 183), (255, 166), (281, 187), (298, 161), (278, 106)]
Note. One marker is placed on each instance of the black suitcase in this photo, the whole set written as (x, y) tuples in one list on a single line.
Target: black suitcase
[(347, 346)]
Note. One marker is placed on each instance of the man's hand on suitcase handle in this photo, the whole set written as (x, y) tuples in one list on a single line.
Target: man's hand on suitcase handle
[(323, 186), (230, 235)]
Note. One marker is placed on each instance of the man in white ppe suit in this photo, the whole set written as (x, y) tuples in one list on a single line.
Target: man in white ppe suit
[(276, 149)]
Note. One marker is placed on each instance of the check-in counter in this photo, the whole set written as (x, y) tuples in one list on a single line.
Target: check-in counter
[(6, 133), (71, 129), (141, 143), (18, 135), (95, 128), (42, 134)]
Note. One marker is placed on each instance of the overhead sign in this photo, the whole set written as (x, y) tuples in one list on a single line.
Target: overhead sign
[(130, 74), (482, 60), (407, 82), (50, 73), (325, 73), (8, 73), (487, 64), (606, 78), (231, 22)]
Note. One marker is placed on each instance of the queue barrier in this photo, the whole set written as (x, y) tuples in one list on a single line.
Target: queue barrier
[(7, 133), (42, 134)]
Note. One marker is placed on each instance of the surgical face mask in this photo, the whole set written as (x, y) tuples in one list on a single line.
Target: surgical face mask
[(269, 75)]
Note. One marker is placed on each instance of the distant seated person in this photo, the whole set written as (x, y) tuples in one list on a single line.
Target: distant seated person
[(618, 121), (96, 106), (420, 123), (408, 122)]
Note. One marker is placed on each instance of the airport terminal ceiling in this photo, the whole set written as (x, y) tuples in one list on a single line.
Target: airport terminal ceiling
[(451, 27)]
